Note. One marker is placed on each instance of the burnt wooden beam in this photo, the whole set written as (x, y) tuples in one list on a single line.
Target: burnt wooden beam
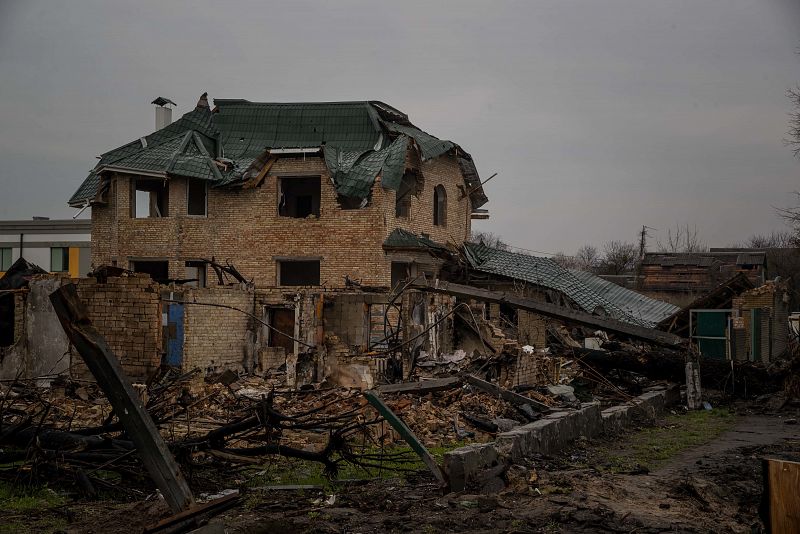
[(551, 310), (399, 425), (509, 396), (111, 378), (424, 386)]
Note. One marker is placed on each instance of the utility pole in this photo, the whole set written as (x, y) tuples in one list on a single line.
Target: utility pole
[(642, 250)]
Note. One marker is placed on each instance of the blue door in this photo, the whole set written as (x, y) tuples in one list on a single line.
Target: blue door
[(175, 334)]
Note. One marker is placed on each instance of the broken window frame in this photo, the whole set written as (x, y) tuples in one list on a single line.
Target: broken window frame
[(439, 206), (316, 196), (282, 279), (196, 183), (395, 268), (59, 259), (158, 207), (402, 199)]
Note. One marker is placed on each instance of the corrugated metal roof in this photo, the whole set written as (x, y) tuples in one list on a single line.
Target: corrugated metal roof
[(591, 294), (633, 303), (356, 132), (751, 258)]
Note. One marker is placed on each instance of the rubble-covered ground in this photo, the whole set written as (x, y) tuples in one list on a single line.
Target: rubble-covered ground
[(692, 472)]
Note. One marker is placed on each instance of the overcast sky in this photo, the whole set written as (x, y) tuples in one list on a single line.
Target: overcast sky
[(599, 117)]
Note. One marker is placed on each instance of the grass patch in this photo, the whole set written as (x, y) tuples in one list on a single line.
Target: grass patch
[(652, 447), (19, 508)]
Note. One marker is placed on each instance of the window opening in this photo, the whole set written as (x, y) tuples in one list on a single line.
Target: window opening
[(402, 203), (298, 273), (299, 197), (59, 260), (439, 206), (401, 271), (158, 270), (5, 258), (149, 198), (197, 197)]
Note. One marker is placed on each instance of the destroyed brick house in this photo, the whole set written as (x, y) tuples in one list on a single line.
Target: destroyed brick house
[(307, 200), (305, 242)]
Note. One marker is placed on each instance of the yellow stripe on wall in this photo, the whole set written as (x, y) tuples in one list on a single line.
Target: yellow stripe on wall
[(74, 262)]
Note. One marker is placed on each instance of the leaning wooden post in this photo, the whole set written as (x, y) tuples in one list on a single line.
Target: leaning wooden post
[(106, 369), (393, 419)]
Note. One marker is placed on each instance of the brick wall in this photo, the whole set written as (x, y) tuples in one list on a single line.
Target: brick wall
[(531, 329), (771, 300), (243, 226), (214, 338), (127, 312)]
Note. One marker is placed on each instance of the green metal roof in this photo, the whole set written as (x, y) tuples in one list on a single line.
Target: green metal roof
[(403, 239), (593, 296), (360, 140)]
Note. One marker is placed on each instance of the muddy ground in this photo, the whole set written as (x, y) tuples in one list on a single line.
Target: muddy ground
[(706, 481)]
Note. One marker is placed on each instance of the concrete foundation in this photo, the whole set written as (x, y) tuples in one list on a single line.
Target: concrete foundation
[(552, 433)]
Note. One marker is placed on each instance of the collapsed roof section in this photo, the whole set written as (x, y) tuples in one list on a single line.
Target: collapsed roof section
[(587, 291), (231, 144)]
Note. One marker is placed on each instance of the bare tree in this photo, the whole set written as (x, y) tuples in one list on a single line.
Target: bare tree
[(776, 239), (567, 262), (793, 139), (684, 239), (489, 239), (792, 217), (619, 257), (587, 258)]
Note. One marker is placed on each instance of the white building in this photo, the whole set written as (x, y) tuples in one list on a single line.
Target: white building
[(58, 246)]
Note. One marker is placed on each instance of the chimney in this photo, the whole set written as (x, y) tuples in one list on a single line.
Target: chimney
[(163, 112)]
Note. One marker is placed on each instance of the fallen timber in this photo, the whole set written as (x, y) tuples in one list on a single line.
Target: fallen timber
[(740, 378), (552, 310), (105, 367)]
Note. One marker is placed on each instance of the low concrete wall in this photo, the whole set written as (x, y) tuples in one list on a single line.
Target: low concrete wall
[(552, 433)]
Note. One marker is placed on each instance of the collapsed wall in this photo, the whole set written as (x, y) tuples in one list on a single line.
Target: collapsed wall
[(125, 310)]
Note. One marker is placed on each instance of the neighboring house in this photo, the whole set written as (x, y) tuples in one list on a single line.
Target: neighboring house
[(57, 246), (736, 320), (680, 277), (304, 194)]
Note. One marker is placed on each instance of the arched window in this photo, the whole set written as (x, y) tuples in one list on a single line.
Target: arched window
[(439, 206)]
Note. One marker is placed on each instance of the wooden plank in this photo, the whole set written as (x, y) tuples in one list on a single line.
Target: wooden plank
[(782, 485), (111, 378), (552, 310), (424, 386), (187, 518), (508, 396), (393, 419), (256, 181)]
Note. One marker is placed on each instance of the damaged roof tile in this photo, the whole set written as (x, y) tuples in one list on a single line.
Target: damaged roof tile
[(360, 140)]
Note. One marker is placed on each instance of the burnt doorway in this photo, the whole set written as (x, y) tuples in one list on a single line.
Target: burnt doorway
[(281, 319)]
